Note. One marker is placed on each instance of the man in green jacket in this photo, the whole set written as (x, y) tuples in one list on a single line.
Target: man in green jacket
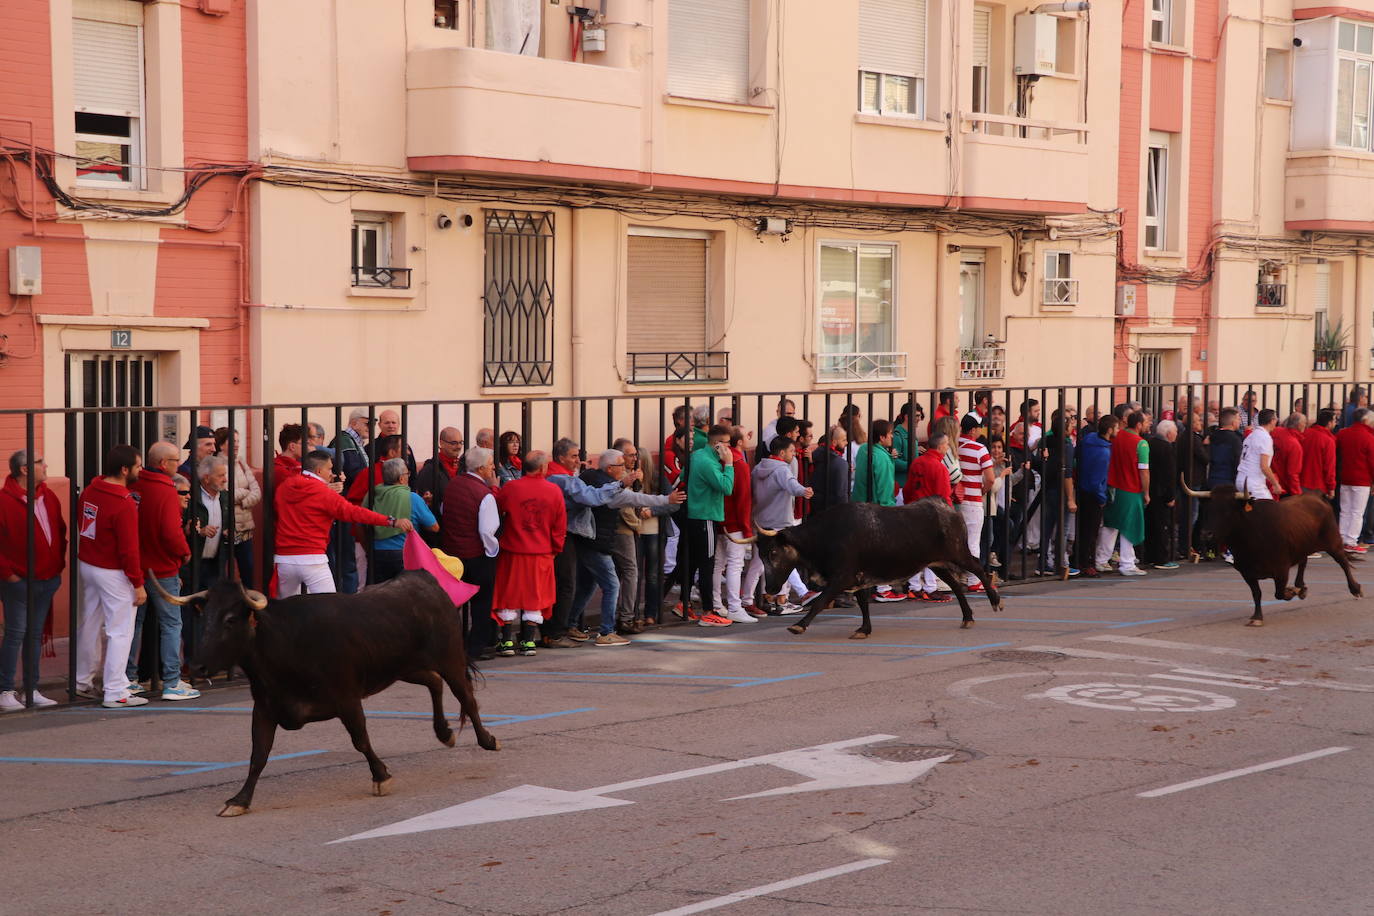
[(710, 478), (873, 467)]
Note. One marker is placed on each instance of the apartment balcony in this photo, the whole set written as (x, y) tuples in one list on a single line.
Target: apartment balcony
[(860, 367), (979, 363), (1024, 164), (1329, 189), (479, 111), (679, 366)]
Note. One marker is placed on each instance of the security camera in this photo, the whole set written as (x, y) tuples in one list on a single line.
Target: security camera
[(443, 221), (466, 220)]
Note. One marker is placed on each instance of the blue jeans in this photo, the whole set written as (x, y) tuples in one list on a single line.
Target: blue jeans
[(14, 596), (595, 568), (169, 632)]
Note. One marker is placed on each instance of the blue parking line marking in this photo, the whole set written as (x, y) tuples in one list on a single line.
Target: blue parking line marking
[(991, 645), (188, 766), (487, 718), (762, 643), (211, 767), (774, 680), (629, 677), (1140, 623)]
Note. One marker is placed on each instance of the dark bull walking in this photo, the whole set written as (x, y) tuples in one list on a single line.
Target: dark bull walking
[(316, 657), (852, 547), (1267, 537)]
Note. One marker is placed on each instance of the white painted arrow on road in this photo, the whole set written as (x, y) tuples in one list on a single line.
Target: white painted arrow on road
[(826, 764)]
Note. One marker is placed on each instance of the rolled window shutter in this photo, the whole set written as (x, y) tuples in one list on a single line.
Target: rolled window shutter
[(108, 67), (1321, 288), (708, 49), (666, 294), (982, 37), (892, 37)]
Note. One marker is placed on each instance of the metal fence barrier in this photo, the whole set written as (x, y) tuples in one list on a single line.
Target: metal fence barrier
[(592, 422)]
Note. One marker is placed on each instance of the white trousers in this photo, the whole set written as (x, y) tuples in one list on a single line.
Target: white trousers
[(360, 558), (316, 577), (973, 521), (508, 616), (1353, 500), (725, 583), (754, 574), (1106, 540), (107, 600), (670, 548)]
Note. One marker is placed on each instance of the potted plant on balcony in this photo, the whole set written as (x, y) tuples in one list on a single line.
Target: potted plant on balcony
[(1330, 343)]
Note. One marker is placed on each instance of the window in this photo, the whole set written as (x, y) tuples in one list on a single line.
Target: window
[(374, 263), (982, 58), (517, 299), (708, 49), (1321, 303), (667, 284), (1162, 21), (892, 57), (1270, 290), (1157, 191), (1276, 74), (513, 26), (856, 305), (122, 378), (1354, 68), (107, 53), (1060, 286), (446, 14)]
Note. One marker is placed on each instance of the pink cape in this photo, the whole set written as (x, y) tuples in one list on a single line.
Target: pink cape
[(417, 555)]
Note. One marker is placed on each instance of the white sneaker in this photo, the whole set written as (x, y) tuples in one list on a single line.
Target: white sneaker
[(89, 691), (787, 609), (40, 700), (1133, 571), (180, 691), (740, 617), (1104, 567), (128, 701), (10, 702), (942, 586)]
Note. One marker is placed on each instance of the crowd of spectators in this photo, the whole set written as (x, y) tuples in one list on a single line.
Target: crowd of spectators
[(540, 533)]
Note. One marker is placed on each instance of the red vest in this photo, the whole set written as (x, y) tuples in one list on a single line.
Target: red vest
[(1123, 472), (462, 498)]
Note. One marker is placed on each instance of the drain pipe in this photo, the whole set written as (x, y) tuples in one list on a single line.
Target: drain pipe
[(940, 361)]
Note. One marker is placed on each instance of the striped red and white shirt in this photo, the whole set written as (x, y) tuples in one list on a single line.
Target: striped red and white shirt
[(973, 458)]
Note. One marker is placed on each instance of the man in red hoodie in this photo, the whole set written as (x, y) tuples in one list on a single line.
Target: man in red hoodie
[(1287, 463), (50, 555), (534, 524), (162, 547), (307, 504), (1319, 455), (730, 553), (1355, 451), (111, 576)]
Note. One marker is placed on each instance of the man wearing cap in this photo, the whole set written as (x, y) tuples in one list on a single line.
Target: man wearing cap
[(201, 445)]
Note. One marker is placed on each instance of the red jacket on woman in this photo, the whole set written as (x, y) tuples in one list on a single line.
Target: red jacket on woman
[(50, 556)]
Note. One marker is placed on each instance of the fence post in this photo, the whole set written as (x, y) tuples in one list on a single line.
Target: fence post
[(31, 636)]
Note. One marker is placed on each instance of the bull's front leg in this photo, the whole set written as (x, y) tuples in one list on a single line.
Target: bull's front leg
[(816, 604), (1281, 589), (351, 715), (955, 581), (264, 733), (1298, 582), (1257, 620)]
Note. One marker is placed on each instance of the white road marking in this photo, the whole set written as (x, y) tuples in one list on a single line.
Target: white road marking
[(1244, 771), (1325, 684), (1212, 681), (826, 764), (766, 889), (1186, 646), (1137, 697), (1091, 653)]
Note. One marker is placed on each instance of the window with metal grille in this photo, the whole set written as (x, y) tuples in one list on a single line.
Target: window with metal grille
[(1061, 288), (517, 299), (126, 380)]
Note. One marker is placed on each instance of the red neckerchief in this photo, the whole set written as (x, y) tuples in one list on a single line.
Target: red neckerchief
[(450, 464)]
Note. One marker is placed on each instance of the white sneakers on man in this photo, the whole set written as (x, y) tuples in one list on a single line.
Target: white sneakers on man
[(179, 691), (128, 701), (740, 617)]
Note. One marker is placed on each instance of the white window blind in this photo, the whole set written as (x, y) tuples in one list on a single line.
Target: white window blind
[(666, 285), (108, 64), (892, 36), (708, 49), (982, 37)]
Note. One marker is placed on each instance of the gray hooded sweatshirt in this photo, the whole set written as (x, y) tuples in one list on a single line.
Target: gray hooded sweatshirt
[(774, 488)]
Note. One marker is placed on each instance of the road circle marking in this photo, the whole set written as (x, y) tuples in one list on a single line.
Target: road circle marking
[(1138, 697)]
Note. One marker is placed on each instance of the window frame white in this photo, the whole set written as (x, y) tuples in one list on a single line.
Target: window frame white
[(893, 315), (981, 72), (1361, 65), (916, 97), (1162, 15), (135, 139), (382, 223), (1057, 266), (1157, 179), (882, 60)]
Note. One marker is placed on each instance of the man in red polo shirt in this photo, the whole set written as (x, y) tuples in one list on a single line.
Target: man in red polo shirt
[(534, 523), (50, 558), (111, 578)]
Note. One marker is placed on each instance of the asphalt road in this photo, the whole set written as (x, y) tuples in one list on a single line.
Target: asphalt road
[(1119, 746)]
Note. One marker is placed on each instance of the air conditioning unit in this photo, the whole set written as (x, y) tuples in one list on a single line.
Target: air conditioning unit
[(1036, 44), (26, 270), (1125, 301)]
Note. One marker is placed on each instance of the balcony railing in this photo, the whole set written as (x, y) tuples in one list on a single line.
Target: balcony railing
[(1271, 295), (1061, 291), (1329, 360), (680, 366), (982, 363), (844, 367), (382, 277), (1023, 128)]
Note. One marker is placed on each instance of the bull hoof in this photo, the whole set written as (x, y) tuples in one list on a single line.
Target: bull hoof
[(796, 629), (1001, 605), (450, 740), (1358, 593), (488, 742), (232, 810), (966, 625), (1254, 623), (382, 788), (858, 634), (1302, 593), (1289, 594)]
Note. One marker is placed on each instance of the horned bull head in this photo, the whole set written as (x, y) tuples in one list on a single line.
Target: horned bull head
[(227, 623)]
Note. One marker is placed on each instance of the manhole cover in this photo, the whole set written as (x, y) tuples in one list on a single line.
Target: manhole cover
[(908, 753), (1021, 655)]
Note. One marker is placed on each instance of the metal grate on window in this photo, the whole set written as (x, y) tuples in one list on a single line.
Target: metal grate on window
[(517, 299)]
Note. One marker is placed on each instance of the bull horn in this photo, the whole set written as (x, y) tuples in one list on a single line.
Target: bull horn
[(770, 532), (178, 600), (748, 540), (256, 600), (1196, 494)]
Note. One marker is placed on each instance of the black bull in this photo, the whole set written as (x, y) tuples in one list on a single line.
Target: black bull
[(316, 657), (852, 547), (1267, 537)]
